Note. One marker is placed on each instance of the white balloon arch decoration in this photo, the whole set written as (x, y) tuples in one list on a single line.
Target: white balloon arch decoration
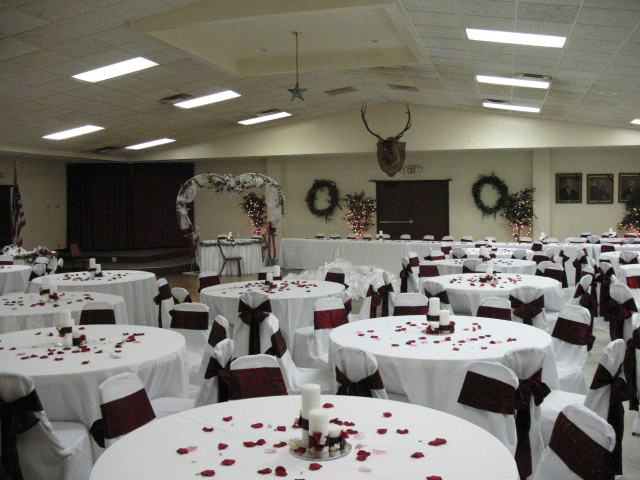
[(231, 185)]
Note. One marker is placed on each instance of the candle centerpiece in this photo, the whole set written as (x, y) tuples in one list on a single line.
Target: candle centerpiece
[(65, 329), (53, 292), (444, 324), (45, 290), (488, 276)]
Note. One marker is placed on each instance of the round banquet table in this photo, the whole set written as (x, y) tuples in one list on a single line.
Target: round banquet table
[(422, 366), (465, 291), (291, 301), (14, 278), (67, 379), (23, 311), (150, 452), (136, 287), (449, 266)]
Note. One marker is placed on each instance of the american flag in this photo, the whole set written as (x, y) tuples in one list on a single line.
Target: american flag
[(18, 221)]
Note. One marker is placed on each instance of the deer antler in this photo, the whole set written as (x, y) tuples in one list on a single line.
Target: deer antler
[(408, 126), (363, 110)]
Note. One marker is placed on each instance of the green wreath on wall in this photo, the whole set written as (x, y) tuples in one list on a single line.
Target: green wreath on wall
[(334, 198), (498, 185)]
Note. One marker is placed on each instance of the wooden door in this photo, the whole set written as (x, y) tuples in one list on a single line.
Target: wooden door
[(419, 207)]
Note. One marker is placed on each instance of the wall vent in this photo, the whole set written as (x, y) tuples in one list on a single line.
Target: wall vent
[(340, 91)]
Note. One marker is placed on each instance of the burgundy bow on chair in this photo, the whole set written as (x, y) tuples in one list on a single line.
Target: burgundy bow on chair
[(528, 388), (323, 319), (376, 301), (164, 293), (443, 296), (486, 393), (15, 418), (616, 313), (189, 320), (214, 368), (278, 345), (405, 273), (493, 312), (527, 311), (633, 261), (384, 292), (630, 365), (254, 317), (575, 333), (361, 388), (577, 264), (563, 261), (620, 392), (633, 282)]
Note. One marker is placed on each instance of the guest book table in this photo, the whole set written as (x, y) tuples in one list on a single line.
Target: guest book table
[(67, 379), (23, 311), (136, 287), (247, 439), (291, 301), (451, 266), (465, 291), (422, 366), (14, 278), (210, 259)]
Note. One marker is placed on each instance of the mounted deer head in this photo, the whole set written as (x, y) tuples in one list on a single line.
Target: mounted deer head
[(390, 150)]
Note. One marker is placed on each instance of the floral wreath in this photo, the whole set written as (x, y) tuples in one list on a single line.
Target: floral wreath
[(499, 186), (230, 185), (334, 198)]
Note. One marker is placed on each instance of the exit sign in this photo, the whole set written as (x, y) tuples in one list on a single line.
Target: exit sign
[(411, 170)]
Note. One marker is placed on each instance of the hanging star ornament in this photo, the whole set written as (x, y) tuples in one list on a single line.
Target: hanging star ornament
[(297, 92)]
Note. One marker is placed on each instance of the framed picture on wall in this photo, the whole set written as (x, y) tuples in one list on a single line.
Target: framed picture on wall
[(600, 188), (568, 188), (628, 184)]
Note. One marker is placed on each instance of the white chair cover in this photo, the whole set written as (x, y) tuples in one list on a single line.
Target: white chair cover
[(466, 238), (392, 292), (552, 240), (405, 236), (447, 238), (210, 389), (191, 320), (519, 254), (568, 457), (633, 282), (526, 239), (623, 295), (428, 268), (256, 376), (241, 331), (428, 237), (411, 272), (410, 304), (207, 279), (627, 257), (432, 289), (97, 313), (571, 340), (352, 236), (366, 236), (320, 235), (49, 449), (437, 255), (358, 365), (295, 377), (165, 302), (469, 265), (334, 236), (372, 296), (598, 399), (6, 260), (181, 295), (529, 294), (458, 252), (494, 307), (484, 395)]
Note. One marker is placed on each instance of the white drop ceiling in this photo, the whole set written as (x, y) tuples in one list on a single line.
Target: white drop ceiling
[(375, 51)]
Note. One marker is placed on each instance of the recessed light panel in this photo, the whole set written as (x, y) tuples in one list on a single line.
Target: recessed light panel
[(74, 132), (152, 143), (508, 106), (115, 70), (514, 82), (207, 99), (636, 121), (530, 39), (264, 118)]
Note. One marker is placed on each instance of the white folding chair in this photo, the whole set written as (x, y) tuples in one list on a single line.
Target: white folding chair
[(527, 304), (256, 376), (458, 252), (165, 302), (357, 373), (372, 300), (622, 312), (47, 449), (97, 313), (494, 307), (250, 334), (215, 383), (410, 304), (519, 254), (181, 295), (191, 320)]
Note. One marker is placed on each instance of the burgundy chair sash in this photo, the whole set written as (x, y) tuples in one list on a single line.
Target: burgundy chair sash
[(633, 261), (466, 240), (428, 271), (443, 296), (376, 301), (214, 368), (493, 312), (278, 345), (577, 264), (630, 365), (616, 313), (527, 311), (329, 318), (536, 247), (189, 320), (620, 392), (607, 248), (551, 273), (446, 249), (348, 306), (404, 275), (102, 316), (572, 332), (414, 261), (466, 269), (122, 415), (6, 262), (15, 418), (384, 292), (217, 334), (335, 277), (604, 279), (535, 388), (579, 452), (436, 257), (209, 281), (164, 293), (633, 282), (256, 382), (361, 388), (486, 393), (538, 257), (254, 317), (401, 310)]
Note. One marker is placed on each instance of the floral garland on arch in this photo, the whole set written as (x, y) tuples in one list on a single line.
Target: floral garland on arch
[(230, 185)]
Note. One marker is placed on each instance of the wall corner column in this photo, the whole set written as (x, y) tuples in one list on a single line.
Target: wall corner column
[(544, 192)]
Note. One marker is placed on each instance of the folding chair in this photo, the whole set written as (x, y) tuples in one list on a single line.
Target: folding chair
[(357, 374)]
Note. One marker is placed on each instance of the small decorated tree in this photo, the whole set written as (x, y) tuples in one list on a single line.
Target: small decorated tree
[(518, 210), (631, 219), (256, 208), (360, 212)]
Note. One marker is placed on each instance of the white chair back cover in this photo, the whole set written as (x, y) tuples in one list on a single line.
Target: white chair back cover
[(39, 269), (571, 340), (405, 236), (428, 237), (433, 289), (165, 302), (466, 238), (480, 394), (525, 363), (598, 399), (241, 331), (256, 376), (553, 270), (490, 239), (366, 305), (334, 236), (526, 239), (633, 281), (352, 236), (519, 254), (624, 295), (41, 452), (410, 304), (191, 320), (428, 268), (219, 330), (181, 295), (570, 444), (208, 278), (358, 365), (437, 255), (494, 307), (593, 239), (469, 265), (627, 257), (320, 235), (97, 313), (221, 353), (529, 294), (552, 240), (320, 340), (412, 280), (125, 405), (542, 266), (447, 238), (458, 252)]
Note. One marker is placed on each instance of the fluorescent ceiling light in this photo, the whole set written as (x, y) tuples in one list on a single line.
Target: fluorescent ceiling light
[(636, 121), (115, 70), (207, 99), (515, 82), (152, 143), (508, 106), (265, 118), (515, 38), (74, 132)]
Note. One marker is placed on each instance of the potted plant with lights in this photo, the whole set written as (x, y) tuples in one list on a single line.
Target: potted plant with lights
[(360, 212), (631, 219), (518, 210)]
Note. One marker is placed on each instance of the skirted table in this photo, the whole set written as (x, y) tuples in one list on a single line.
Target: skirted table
[(14, 278), (210, 260)]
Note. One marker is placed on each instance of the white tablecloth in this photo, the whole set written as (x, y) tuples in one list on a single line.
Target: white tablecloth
[(292, 302), (23, 311), (68, 387), (422, 369), (465, 291), (14, 278), (150, 451), (450, 266), (209, 258), (136, 287)]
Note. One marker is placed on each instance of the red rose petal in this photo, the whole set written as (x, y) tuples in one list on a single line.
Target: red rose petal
[(386, 414), (315, 466), (222, 446), (262, 441), (208, 473), (256, 425), (281, 472), (417, 455), (434, 477), (249, 444), (182, 451), (227, 461), (85, 362), (264, 471), (227, 419), (402, 432), (382, 431), (327, 405), (437, 441), (281, 428), (280, 445), (207, 429)]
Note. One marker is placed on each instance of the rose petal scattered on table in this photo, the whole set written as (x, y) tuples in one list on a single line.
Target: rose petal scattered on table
[(280, 445), (402, 431), (182, 451), (265, 471), (208, 473), (281, 471), (382, 431), (227, 461), (256, 425), (207, 429), (327, 405), (315, 466), (222, 446), (437, 441), (227, 419), (417, 455)]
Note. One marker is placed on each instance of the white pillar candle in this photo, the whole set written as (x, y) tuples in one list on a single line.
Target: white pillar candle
[(92, 263), (434, 306), (380, 233), (610, 230), (46, 283), (269, 277), (489, 268), (230, 235), (319, 422), (98, 268), (483, 251), (276, 270), (66, 322), (310, 396), (445, 318)]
